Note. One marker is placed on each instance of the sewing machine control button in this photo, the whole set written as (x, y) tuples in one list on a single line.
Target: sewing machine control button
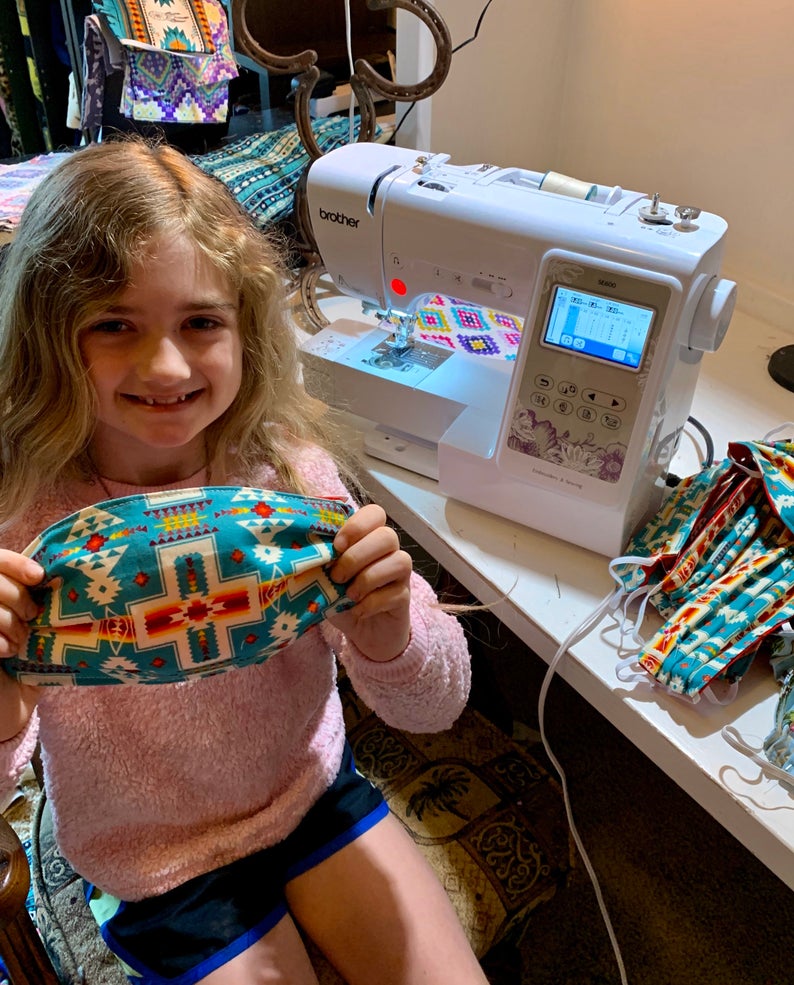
[(398, 286), (586, 414), (544, 382), (602, 399), (501, 290), (611, 422), (568, 389), (539, 399), (563, 406)]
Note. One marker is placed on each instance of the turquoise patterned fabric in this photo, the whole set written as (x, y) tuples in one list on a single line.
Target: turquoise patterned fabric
[(174, 25), (779, 744), (263, 170), (171, 586), (718, 563)]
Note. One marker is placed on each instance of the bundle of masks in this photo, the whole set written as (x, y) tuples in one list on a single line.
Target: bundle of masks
[(717, 563)]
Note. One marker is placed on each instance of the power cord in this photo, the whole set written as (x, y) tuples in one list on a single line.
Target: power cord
[(454, 51), (351, 66), (577, 634)]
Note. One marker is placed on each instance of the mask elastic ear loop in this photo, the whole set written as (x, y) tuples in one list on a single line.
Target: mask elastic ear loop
[(730, 694), (770, 434), (607, 604), (627, 670), (733, 738)]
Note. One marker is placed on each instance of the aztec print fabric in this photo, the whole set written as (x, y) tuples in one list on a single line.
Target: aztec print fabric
[(779, 744), (169, 586), (718, 563), (159, 86), (176, 25), (262, 170), (455, 324)]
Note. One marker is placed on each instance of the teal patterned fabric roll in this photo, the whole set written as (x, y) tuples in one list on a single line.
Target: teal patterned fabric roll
[(169, 586), (262, 170)]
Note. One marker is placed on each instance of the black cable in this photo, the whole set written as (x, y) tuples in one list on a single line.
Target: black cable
[(454, 51), (709, 456)]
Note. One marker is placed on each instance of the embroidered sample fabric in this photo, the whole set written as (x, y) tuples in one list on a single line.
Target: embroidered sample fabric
[(262, 170), (718, 563), (175, 585), (176, 25), (455, 324)]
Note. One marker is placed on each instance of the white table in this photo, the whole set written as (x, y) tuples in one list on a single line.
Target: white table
[(543, 588)]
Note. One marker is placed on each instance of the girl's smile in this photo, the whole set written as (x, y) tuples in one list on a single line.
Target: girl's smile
[(165, 360)]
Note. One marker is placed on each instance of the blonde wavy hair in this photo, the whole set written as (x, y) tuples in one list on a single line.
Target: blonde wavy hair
[(80, 234)]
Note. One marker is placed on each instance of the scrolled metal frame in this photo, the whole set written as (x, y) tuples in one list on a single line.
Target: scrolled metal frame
[(364, 81)]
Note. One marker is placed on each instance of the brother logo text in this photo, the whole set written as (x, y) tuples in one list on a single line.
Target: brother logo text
[(346, 220)]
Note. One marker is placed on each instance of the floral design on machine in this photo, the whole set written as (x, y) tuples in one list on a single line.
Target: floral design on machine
[(540, 439)]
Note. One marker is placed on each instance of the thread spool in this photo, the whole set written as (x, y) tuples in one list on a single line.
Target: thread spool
[(563, 184)]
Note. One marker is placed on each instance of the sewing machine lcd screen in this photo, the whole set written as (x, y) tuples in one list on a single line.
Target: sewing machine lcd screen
[(603, 328)]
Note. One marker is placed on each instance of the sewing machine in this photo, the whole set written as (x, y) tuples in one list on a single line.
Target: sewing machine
[(620, 295)]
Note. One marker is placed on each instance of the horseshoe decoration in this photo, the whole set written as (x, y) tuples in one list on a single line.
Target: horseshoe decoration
[(363, 80)]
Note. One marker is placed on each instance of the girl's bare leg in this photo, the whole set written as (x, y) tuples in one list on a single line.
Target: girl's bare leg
[(378, 912), (278, 958)]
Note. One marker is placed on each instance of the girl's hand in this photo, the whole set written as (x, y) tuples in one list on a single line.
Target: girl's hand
[(17, 574), (377, 575)]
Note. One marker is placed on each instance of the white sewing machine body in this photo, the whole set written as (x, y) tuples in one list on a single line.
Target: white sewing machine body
[(575, 437)]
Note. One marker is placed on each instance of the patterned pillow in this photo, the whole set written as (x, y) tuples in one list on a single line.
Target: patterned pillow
[(174, 585)]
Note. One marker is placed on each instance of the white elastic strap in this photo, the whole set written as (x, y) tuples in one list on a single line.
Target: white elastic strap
[(349, 42), (578, 633), (730, 694), (627, 673), (734, 738), (630, 626), (787, 425)]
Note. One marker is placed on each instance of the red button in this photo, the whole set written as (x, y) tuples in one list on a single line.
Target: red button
[(399, 287)]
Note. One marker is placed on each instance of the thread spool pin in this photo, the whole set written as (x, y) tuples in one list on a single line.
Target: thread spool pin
[(654, 213)]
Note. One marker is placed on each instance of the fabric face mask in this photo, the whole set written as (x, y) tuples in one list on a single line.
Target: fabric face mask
[(170, 586), (718, 563), (779, 744)]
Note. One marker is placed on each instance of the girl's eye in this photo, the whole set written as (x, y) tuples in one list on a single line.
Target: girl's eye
[(109, 327), (202, 323)]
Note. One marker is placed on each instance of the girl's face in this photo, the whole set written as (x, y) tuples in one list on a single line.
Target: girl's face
[(165, 360)]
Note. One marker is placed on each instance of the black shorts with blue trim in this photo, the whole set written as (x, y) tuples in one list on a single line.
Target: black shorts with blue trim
[(179, 937)]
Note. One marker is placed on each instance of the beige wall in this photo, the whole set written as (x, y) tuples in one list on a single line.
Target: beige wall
[(693, 98)]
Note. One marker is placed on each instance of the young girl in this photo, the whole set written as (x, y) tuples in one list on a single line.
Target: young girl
[(145, 347)]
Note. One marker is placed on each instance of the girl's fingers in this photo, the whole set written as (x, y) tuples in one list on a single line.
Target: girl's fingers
[(393, 570)]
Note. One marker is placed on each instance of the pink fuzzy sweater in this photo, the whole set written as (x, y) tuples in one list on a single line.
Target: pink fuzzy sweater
[(151, 785)]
